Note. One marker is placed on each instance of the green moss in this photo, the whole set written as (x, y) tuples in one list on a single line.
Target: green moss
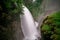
[(46, 28), (57, 31), (52, 25)]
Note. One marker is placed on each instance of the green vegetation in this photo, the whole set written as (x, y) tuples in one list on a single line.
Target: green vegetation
[(51, 27), (46, 28), (9, 12), (34, 7)]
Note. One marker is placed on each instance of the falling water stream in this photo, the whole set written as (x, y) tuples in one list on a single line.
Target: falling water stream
[(28, 25)]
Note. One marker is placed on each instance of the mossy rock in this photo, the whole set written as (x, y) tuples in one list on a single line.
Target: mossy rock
[(52, 25)]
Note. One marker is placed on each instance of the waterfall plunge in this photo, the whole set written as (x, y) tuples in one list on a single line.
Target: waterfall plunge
[(29, 27)]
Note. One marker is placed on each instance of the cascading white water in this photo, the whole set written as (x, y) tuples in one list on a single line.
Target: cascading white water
[(28, 26), (34, 0)]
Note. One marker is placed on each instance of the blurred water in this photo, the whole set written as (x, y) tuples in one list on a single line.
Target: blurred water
[(34, 0), (29, 27)]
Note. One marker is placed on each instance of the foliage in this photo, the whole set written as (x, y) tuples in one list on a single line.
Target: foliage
[(9, 12), (46, 28), (34, 7), (52, 24)]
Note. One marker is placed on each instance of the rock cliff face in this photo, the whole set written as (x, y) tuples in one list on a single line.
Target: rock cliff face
[(50, 5), (18, 35)]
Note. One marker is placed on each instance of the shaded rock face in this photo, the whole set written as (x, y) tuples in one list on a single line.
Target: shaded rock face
[(18, 35), (50, 5), (11, 32)]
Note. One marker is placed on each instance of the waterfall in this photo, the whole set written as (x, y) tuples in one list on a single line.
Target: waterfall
[(28, 25), (34, 0)]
